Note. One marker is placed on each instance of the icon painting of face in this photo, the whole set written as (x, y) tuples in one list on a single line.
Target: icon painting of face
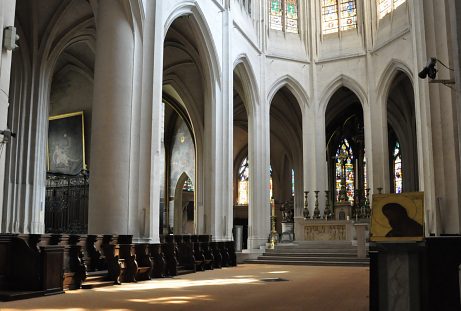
[(401, 224)]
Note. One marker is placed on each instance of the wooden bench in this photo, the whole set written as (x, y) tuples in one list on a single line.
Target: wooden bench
[(205, 242), (158, 259), (144, 262)]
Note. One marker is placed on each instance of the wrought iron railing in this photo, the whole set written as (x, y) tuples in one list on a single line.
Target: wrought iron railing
[(66, 203)]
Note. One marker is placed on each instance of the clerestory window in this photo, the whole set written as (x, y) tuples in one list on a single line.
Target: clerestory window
[(387, 6), (284, 15), (338, 15)]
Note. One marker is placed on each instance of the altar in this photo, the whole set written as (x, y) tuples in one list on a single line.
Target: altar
[(323, 230)]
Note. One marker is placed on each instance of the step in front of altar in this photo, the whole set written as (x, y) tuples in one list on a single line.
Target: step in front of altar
[(313, 253)]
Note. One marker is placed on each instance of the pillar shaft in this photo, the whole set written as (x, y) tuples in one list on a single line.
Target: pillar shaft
[(111, 123)]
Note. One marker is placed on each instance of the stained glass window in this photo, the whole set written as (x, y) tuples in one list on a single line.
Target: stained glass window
[(292, 182), (348, 17), (271, 193), (276, 15), (338, 15), (291, 16), (345, 169), (397, 3), (284, 15), (243, 174), (188, 185), (386, 6), (365, 173), (397, 169)]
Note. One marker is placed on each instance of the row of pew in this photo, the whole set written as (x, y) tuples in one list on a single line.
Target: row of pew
[(42, 264)]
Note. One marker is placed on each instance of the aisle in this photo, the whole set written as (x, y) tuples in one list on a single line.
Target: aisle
[(246, 287)]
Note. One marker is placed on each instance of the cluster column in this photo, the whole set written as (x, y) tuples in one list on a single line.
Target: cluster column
[(6, 19)]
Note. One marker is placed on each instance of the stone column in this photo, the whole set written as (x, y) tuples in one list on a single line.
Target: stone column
[(108, 210), (150, 146), (259, 159), (7, 10)]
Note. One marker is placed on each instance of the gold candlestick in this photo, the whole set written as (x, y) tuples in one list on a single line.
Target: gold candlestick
[(273, 235)]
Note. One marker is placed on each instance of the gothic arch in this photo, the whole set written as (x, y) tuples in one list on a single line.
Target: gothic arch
[(385, 81), (295, 88), (177, 84), (178, 211), (245, 71), (396, 95), (336, 84), (207, 44)]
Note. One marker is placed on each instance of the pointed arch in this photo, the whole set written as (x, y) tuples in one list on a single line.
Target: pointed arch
[(295, 88), (178, 85), (336, 84), (207, 44), (178, 217), (396, 94), (248, 78), (392, 69)]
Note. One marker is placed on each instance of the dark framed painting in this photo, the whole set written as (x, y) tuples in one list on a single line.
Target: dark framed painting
[(66, 144), (397, 217)]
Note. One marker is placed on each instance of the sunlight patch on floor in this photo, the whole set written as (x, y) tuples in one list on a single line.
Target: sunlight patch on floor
[(243, 276), (66, 309), (277, 272), (173, 299), (172, 284)]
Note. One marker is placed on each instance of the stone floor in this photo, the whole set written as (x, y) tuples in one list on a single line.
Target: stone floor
[(246, 287)]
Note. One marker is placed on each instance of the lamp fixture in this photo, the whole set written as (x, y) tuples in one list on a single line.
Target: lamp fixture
[(431, 71), (10, 38)]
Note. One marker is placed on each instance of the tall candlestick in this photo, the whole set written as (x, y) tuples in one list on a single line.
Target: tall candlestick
[(273, 207)]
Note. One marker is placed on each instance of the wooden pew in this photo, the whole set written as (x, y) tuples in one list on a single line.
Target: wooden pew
[(218, 258), (201, 262), (205, 243), (115, 265), (170, 250), (95, 260), (226, 262), (158, 259), (30, 270), (145, 263), (193, 253), (230, 246), (185, 251)]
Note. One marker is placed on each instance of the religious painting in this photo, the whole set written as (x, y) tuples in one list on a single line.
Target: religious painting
[(397, 217), (66, 144)]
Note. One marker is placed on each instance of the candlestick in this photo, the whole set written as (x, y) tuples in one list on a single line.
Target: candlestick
[(273, 207), (306, 205), (316, 209)]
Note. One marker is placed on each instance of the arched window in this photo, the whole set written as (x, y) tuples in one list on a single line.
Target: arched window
[(397, 168), (271, 192), (365, 173), (387, 6), (243, 174), (284, 15), (345, 168), (188, 185), (338, 15), (292, 182)]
